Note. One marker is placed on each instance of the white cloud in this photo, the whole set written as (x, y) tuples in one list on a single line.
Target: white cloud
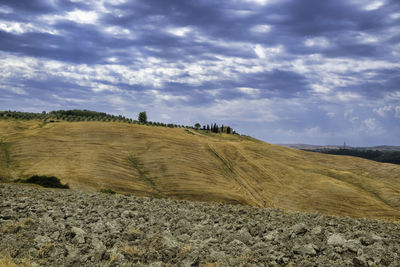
[(179, 31), (266, 52), (248, 90), (371, 124), (363, 37), (317, 42), (342, 97), (68, 99), (82, 16), (349, 115), (320, 89), (382, 111), (100, 87), (374, 5), (78, 16), (117, 100), (249, 110), (331, 114), (259, 2), (14, 89), (397, 112), (5, 9), (119, 32), (261, 28), (166, 97), (312, 132), (21, 28), (395, 15), (348, 96)]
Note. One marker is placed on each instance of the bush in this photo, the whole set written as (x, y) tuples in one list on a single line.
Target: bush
[(46, 181), (107, 191)]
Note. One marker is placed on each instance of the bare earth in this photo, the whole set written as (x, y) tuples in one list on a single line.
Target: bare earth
[(42, 227)]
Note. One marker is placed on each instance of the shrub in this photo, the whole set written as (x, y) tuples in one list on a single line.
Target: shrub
[(46, 181), (107, 191)]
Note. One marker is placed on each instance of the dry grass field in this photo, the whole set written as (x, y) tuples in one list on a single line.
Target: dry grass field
[(187, 164)]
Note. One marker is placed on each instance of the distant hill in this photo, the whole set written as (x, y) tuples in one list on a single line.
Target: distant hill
[(311, 147), (184, 163), (387, 154)]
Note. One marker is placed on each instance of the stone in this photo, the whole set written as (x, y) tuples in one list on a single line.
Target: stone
[(41, 240), (79, 235), (316, 230), (336, 240), (126, 214), (244, 236), (299, 229), (360, 261), (305, 249), (270, 236), (352, 246)]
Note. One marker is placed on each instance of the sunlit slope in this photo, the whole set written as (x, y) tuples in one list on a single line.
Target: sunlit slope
[(186, 164)]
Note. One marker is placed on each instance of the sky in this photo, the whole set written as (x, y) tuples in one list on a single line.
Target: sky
[(283, 71)]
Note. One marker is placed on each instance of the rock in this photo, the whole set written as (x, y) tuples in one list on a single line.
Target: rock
[(156, 264), (336, 240), (169, 241), (41, 240), (352, 246), (244, 236), (270, 236), (126, 214), (79, 235), (299, 229), (55, 235), (316, 230), (183, 238), (305, 249), (370, 239), (217, 256), (360, 261)]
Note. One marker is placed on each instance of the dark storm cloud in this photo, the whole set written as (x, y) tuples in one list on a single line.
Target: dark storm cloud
[(297, 20), (23, 8), (29, 6), (380, 84), (276, 83), (305, 62), (51, 46)]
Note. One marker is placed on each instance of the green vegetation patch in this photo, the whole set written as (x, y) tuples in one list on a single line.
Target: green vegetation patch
[(46, 181), (376, 155), (107, 191)]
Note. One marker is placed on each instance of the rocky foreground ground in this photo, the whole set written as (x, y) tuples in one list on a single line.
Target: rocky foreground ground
[(43, 227)]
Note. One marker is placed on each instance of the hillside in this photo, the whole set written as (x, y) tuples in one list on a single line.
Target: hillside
[(188, 164)]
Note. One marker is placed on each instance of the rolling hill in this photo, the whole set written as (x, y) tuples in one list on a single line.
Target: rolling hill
[(188, 164)]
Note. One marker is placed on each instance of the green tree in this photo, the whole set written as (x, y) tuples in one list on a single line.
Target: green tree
[(197, 125), (228, 130), (142, 118)]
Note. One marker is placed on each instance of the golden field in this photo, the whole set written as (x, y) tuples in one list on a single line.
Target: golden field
[(189, 164)]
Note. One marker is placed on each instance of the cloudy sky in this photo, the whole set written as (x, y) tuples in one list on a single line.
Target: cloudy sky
[(284, 71)]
